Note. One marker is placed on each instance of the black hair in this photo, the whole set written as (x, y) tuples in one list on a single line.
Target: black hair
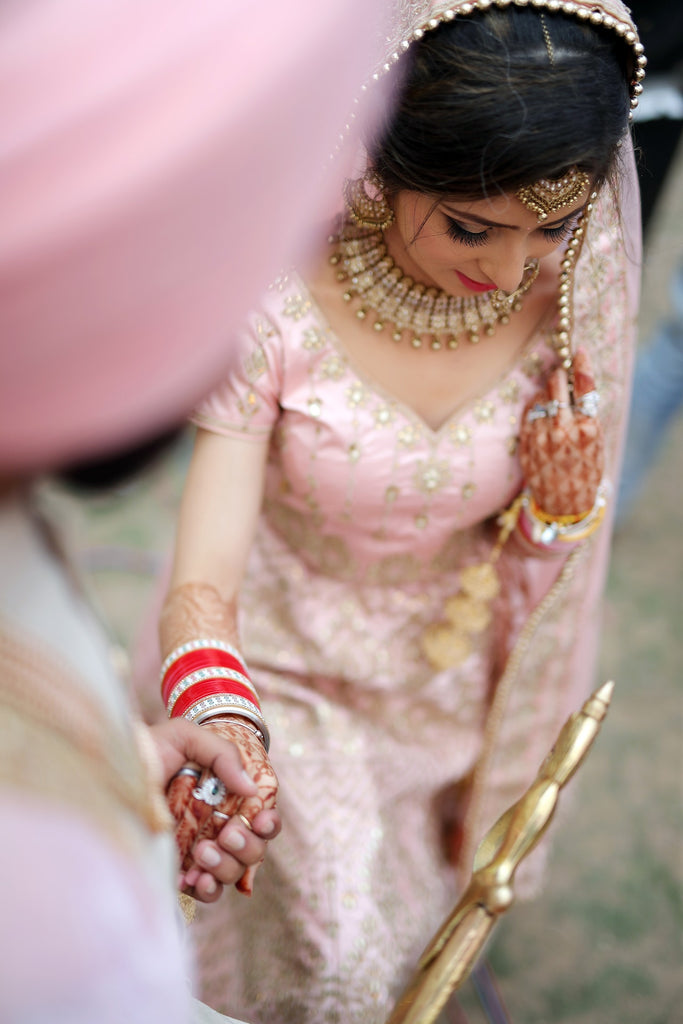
[(499, 99), (113, 469)]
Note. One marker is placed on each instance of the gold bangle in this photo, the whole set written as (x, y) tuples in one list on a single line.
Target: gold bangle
[(571, 536), (548, 517), (546, 532)]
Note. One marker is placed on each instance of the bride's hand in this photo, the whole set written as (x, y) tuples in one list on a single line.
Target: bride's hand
[(222, 834), (561, 443)]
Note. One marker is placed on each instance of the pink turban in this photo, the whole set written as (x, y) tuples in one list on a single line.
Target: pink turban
[(159, 160)]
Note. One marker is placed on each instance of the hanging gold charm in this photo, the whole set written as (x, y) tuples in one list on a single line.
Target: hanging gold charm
[(449, 642)]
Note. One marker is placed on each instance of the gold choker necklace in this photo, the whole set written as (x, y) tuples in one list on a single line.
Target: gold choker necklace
[(368, 273)]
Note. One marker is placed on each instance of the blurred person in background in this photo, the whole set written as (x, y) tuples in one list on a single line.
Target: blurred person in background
[(138, 142)]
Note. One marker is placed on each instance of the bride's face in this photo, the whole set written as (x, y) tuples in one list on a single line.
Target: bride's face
[(467, 247)]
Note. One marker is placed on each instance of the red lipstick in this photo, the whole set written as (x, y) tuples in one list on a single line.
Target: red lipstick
[(474, 286)]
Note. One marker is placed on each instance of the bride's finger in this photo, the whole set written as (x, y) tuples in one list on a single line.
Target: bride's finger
[(584, 381), (558, 391)]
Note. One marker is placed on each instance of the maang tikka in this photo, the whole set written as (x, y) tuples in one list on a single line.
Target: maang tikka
[(549, 195)]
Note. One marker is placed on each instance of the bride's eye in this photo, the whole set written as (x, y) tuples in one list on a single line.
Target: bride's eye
[(560, 232), (460, 234)]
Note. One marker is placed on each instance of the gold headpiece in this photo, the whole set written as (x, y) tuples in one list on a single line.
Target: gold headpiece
[(548, 195), (411, 19)]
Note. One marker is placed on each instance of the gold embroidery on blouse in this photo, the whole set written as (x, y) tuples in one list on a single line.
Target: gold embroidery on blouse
[(394, 570), (249, 405), (254, 364), (432, 475), (509, 392), (264, 328), (468, 491), (296, 306), (356, 395), (279, 283), (384, 415), (409, 435), (532, 365), (333, 367), (354, 452), (461, 434), (484, 411), (313, 339)]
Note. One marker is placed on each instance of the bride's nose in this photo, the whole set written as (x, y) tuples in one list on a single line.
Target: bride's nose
[(506, 266)]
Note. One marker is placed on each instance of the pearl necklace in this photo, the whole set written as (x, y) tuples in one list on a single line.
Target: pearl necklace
[(368, 273)]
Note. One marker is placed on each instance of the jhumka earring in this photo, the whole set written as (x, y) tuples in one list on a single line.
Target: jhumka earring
[(366, 210), (548, 195)]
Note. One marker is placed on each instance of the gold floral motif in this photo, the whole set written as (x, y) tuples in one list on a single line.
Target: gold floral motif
[(432, 475), (249, 405), (296, 306), (532, 365), (384, 415), (264, 328), (279, 283), (513, 445), (354, 452), (255, 364), (461, 434), (409, 435), (356, 395), (333, 368), (484, 411), (313, 339), (468, 491), (509, 391)]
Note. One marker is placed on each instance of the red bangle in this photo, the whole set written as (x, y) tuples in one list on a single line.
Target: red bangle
[(210, 688), (208, 657)]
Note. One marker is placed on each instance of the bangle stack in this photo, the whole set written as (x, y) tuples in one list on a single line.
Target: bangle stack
[(554, 531), (205, 678)]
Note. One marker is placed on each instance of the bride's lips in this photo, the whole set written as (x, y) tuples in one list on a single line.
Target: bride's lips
[(474, 286)]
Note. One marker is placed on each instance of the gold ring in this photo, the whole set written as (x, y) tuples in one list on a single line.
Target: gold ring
[(246, 821)]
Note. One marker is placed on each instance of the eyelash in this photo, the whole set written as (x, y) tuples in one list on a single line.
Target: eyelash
[(460, 234)]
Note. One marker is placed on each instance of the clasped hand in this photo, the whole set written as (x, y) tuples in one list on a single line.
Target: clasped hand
[(561, 443), (223, 849)]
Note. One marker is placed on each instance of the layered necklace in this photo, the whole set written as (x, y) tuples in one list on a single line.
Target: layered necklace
[(369, 274)]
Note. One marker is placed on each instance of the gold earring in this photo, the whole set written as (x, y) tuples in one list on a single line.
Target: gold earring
[(548, 195), (365, 210)]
